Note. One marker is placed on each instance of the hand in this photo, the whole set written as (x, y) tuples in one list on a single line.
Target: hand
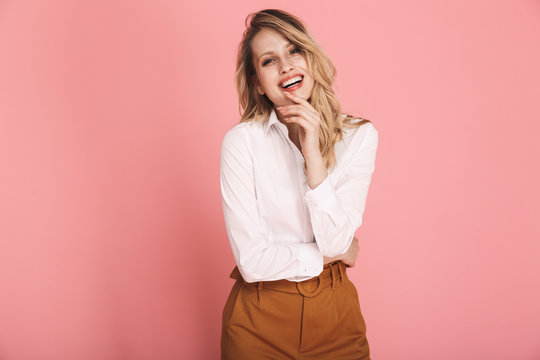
[(308, 119), (349, 258)]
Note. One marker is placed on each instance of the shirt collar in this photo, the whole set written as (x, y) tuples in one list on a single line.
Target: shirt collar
[(272, 119)]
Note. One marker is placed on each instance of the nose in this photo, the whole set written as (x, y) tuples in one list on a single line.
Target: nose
[(285, 66)]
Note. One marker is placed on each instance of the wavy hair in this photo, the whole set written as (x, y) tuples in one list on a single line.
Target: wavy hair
[(256, 107)]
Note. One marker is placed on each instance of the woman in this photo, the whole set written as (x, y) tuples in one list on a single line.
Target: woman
[(294, 177)]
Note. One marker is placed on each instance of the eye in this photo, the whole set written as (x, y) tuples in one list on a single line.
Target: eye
[(295, 50), (266, 62)]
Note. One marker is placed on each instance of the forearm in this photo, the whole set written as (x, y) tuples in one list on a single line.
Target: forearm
[(316, 169), (316, 174)]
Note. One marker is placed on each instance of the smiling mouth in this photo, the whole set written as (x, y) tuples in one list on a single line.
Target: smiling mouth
[(295, 81)]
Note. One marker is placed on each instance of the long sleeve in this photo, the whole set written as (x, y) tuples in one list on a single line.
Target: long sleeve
[(336, 212), (258, 258)]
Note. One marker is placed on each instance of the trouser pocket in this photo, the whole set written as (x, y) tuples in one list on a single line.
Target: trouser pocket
[(356, 311), (230, 304)]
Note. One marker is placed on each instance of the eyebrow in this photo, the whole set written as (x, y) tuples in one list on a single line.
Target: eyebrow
[(271, 52)]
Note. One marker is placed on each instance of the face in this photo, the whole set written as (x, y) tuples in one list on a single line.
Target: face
[(280, 67)]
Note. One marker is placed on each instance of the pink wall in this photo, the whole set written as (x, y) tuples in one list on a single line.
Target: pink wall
[(112, 241)]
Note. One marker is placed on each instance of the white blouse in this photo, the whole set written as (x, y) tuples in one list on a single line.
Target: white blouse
[(278, 227)]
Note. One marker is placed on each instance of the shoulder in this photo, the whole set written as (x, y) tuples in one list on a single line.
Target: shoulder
[(236, 135), (362, 135), (237, 140), (370, 132)]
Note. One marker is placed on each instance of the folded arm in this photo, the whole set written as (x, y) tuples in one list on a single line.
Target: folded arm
[(336, 211), (257, 257)]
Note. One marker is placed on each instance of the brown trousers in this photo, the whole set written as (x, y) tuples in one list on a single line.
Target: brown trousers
[(319, 318)]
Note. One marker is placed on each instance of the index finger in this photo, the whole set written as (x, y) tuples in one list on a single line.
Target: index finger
[(301, 101)]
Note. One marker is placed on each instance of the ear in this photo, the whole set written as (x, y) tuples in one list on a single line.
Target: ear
[(256, 82)]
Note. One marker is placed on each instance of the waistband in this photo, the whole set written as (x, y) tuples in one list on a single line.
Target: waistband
[(332, 272)]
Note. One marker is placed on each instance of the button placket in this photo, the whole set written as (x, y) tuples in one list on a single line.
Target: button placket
[(301, 178)]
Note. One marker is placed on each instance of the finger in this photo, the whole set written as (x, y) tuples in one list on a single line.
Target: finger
[(306, 122), (300, 121), (298, 111), (300, 100), (307, 106)]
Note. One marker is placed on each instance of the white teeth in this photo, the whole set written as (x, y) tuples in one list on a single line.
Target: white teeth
[(290, 81)]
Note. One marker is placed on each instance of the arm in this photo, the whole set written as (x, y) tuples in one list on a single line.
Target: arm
[(336, 211), (349, 258), (316, 173), (257, 258)]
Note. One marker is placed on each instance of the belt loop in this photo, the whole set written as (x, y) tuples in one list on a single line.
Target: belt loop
[(340, 267), (332, 272), (259, 289)]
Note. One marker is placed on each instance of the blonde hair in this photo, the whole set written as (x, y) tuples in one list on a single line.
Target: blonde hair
[(258, 107)]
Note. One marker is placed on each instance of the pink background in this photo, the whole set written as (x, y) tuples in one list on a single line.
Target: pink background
[(112, 240)]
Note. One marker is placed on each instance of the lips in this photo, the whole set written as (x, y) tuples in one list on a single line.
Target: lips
[(288, 81)]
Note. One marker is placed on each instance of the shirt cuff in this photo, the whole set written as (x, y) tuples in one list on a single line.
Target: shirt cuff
[(310, 258), (323, 196)]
